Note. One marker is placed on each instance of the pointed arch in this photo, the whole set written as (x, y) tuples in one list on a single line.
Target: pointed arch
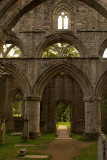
[(101, 84), (73, 71), (22, 80), (63, 37), (13, 39)]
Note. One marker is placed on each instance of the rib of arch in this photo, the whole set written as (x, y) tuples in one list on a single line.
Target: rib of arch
[(100, 85), (13, 39), (22, 80), (70, 69), (64, 38)]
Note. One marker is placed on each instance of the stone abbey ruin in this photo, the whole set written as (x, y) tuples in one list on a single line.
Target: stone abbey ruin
[(62, 45)]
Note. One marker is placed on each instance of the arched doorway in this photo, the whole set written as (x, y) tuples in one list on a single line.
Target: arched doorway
[(62, 92)]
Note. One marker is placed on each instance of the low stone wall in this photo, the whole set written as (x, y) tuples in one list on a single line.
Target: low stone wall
[(102, 147)]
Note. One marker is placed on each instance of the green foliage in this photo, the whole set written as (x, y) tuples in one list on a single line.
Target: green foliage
[(50, 52), (60, 50), (17, 106), (14, 52), (71, 52), (63, 112)]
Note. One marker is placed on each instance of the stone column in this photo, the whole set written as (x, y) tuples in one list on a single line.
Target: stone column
[(32, 109), (92, 118)]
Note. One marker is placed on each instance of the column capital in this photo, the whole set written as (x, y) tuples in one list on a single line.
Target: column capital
[(32, 98), (92, 99)]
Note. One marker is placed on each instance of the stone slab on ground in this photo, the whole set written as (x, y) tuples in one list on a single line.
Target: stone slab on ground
[(36, 156), (25, 145), (16, 134)]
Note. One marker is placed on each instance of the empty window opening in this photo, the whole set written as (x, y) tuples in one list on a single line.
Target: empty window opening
[(58, 50), (105, 53), (10, 51), (63, 21), (17, 106)]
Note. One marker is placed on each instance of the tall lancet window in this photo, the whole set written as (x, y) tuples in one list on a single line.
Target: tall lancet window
[(63, 21)]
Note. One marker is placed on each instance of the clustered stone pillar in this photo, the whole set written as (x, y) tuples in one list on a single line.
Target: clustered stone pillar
[(92, 118), (32, 109)]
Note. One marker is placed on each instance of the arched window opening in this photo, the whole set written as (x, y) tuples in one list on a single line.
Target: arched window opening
[(10, 51), (63, 112), (17, 105), (63, 21), (105, 53), (58, 50)]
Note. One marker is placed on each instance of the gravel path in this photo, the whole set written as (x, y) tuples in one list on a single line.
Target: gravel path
[(63, 148)]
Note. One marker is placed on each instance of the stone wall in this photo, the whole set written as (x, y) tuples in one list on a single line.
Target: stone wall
[(87, 25)]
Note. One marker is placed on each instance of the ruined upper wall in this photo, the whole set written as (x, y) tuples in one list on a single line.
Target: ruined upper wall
[(86, 24)]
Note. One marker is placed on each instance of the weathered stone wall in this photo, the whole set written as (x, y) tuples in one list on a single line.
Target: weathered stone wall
[(87, 25)]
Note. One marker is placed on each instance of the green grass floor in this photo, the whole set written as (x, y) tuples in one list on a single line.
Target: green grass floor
[(87, 153), (9, 152)]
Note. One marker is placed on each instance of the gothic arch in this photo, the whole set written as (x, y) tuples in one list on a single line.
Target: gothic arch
[(100, 85), (102, 48), (23, 82), (66, 37), (59, 7), (13, 39), (76, 74)]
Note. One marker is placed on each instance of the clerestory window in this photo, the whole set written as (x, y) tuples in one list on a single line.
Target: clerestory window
[(105, 53), (63, 21)]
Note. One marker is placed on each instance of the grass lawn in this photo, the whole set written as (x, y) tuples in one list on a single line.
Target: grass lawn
[(67, 124), (9, 151), (64, 123), (87, 153)]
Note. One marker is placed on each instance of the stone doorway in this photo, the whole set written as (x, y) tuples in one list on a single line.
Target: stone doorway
[(62, 88)]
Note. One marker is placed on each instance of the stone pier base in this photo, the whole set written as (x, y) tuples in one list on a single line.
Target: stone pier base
[(91, 136), (35, 135)]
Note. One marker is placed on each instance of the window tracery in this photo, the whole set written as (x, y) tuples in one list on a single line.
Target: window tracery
[(59, 50), (10, 51), (63, 21)]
